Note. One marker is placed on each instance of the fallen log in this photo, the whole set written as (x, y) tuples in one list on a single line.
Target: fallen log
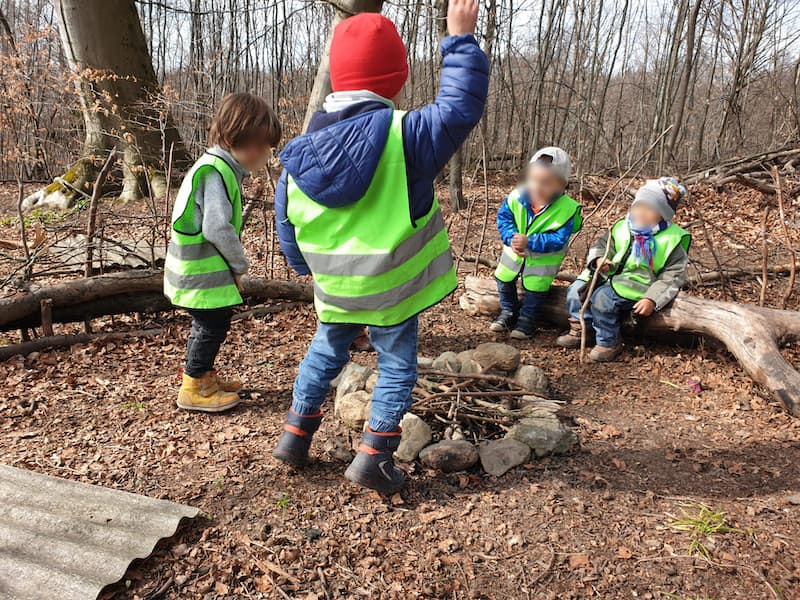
[(752, 334), (117, 293), (63, 341)]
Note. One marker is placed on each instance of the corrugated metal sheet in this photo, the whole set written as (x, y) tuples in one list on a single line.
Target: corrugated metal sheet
[(66, 540)]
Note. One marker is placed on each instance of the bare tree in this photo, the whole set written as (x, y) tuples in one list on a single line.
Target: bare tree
[(113, 73)]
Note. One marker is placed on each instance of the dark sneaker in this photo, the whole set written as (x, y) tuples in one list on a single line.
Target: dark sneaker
[(295, 440), (524, 330), (504, 322), (605, 353), (373, 467)]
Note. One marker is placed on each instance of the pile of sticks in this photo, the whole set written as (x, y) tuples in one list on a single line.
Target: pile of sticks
[(753, 171), (480, 406)]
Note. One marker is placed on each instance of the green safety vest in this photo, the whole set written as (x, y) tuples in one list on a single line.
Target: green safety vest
[(195, 273), (631, 280), (371, 264), (538, 269)]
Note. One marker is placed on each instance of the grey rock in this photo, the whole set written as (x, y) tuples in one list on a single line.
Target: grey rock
[(371, 382), (493, 355), (447, 361), (499, 456), (424, 362), (450, 455), (794, 499), (544, 435), (353, 409), (531, 379), (416, 435), (469, 365), (352, 379)]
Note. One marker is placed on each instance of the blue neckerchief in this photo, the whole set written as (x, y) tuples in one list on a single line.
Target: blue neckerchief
[(644, 241)]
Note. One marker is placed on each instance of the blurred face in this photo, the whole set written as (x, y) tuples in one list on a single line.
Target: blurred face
[(543, 185), (253, 156), (643, 215)]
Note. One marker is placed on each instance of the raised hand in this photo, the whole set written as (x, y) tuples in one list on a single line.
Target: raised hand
[(462, 16)]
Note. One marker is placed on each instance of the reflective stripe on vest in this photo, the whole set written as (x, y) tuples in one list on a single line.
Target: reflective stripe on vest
[(633, 280), (538, 269), (371, 264), (195, 274)]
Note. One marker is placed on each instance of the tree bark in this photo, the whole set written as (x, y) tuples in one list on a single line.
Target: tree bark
[(751, 333), (120, 100), (118, 293), (322, 81)]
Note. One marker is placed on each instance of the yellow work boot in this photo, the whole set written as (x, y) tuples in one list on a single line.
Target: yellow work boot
[(227, 384), (204, 394)]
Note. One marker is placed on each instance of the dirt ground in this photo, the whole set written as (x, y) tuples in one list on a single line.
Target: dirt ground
[(596, 523)]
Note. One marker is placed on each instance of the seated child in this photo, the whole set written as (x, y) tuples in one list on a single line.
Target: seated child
[(535, 223), (205, 259), (644, 271)]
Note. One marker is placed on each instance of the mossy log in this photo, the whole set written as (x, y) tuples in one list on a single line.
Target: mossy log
[(754, 335)]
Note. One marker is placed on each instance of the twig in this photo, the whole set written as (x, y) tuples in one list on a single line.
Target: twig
[(481, 376), (60, 341), (167, 192), (22, 229), (260, 311), (712, 248), (93, 202), (793, 265), (47, 316), (485, 205), (588, 299), (547, 568), (764, 257)]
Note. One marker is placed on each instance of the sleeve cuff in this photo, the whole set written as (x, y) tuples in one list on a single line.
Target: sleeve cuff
[(451, 41)]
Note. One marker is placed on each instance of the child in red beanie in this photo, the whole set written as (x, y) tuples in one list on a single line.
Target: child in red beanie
[(356, 209)]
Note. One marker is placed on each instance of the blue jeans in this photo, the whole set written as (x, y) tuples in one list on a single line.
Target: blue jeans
[(604, 313), (330, 352), (509, 300)]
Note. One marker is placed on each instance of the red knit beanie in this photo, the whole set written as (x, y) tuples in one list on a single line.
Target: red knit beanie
[(368, 54)]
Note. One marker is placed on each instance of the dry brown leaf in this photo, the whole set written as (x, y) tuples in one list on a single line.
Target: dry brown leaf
[(624, 553), (435, 515), (579, 561)]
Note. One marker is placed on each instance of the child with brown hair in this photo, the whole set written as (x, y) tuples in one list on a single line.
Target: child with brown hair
[(205, 259)]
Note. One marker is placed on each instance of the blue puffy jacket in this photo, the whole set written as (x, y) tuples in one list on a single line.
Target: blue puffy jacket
[(334, 162), (548, 241)]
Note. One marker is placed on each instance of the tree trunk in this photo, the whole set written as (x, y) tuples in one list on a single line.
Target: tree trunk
[(322, 81), (455, 184), (119, 293), (120, 100), (751, 333)]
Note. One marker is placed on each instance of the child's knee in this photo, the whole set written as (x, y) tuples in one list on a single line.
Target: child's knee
[(603, 300)]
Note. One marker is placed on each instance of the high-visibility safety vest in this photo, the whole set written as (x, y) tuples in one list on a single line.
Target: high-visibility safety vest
[(538, 269), (632, 279), (195, 273), (372, 265)]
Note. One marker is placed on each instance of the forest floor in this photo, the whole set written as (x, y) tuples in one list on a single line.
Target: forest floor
[(596, 523)]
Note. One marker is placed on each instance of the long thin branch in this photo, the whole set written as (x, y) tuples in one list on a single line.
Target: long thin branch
[(97, 191), (793, 254), (764, 257)]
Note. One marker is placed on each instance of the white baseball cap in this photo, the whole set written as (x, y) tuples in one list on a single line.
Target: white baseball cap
[(556, 159)]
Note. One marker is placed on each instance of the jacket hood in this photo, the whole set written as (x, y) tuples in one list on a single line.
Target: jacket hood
[(335, 165)]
